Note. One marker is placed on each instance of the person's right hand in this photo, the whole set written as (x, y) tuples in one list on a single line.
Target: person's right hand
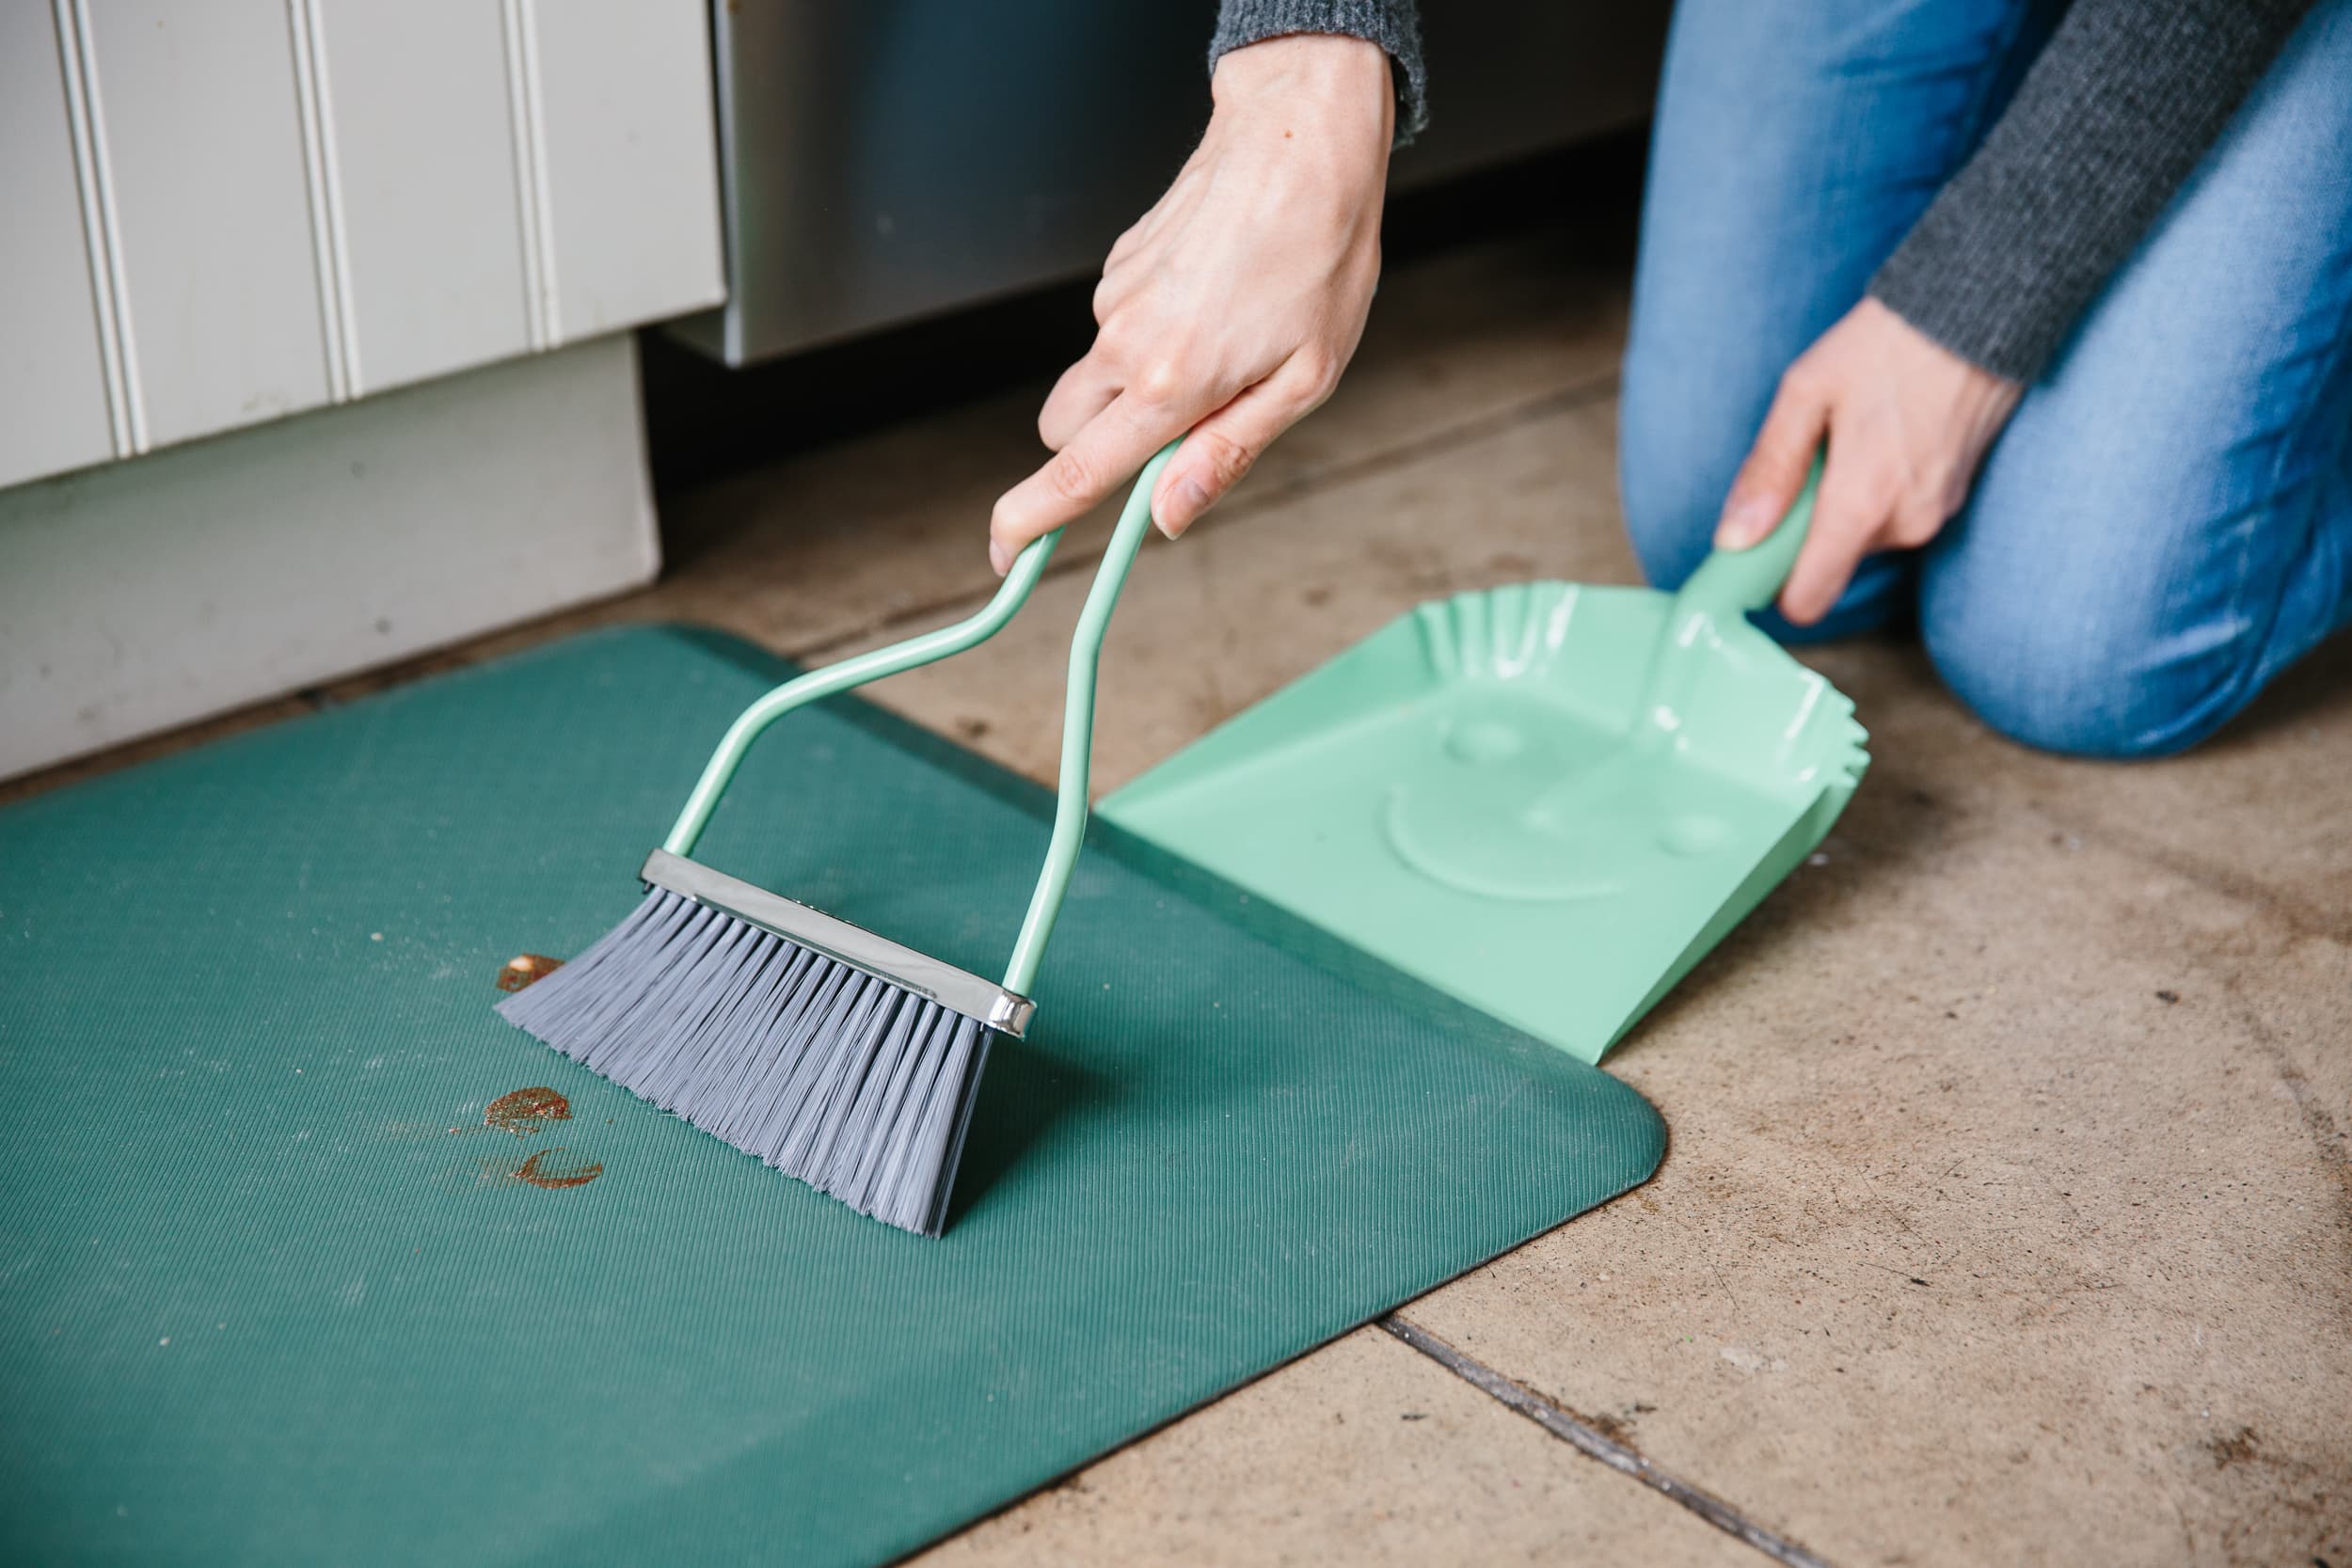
[(1908, 422), (1231, 308)]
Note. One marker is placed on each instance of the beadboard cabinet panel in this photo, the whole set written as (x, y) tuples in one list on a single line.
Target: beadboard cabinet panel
[(49, 331), (419, 127), (627, 161), (203, 143), (219, 213)]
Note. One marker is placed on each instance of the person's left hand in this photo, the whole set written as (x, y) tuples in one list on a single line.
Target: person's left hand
[(1907, 421)]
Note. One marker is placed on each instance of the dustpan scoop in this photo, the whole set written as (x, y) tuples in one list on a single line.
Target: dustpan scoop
[(1547, 800)]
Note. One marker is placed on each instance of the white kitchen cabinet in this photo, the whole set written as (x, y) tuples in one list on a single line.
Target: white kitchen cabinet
[(50, 354), (200, 134), (219, 213), (623, 230), (385, 254), (420, 132)]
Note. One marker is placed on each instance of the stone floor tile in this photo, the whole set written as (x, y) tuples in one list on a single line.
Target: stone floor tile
[(2008, 1213), (1364, 1453)]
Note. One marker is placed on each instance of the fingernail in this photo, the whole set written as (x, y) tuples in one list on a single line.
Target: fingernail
[(1187, 500), (1000, 556), (1744, 524)]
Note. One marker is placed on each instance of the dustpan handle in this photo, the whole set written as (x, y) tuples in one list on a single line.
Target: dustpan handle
[(1729, 583), (1077, 727), (872, 666)]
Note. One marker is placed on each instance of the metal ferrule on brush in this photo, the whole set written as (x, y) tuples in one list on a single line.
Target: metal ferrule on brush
[(956, 989)]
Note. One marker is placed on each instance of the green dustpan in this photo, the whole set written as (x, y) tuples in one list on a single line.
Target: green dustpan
[(1547, 800)]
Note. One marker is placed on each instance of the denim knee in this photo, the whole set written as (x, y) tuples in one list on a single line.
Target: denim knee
[(2077, 688)]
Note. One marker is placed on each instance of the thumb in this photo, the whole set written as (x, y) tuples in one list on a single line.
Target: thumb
[(1767, 485), (1222, 447)]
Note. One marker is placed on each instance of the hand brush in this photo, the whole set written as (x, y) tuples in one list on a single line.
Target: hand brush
[(834, 1055)]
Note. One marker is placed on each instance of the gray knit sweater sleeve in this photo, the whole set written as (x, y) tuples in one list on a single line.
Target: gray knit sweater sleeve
[(1390, 23), (2113, 115)]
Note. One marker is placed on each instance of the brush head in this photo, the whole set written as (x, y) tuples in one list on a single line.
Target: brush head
[(857, 1085)]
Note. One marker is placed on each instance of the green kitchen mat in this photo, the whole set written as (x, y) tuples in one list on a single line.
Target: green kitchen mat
[(292, 1269)]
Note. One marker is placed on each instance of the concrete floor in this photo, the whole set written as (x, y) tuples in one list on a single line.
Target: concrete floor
[(2008, 1213)]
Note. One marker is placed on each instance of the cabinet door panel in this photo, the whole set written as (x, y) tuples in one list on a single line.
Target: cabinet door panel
[(630, 159), (204, 148), (424, 155), (53, 380)]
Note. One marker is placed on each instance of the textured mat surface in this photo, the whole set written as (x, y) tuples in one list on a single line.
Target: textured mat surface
[(290, 1271)]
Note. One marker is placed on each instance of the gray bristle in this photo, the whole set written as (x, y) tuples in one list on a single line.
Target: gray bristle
[(859, 1088)]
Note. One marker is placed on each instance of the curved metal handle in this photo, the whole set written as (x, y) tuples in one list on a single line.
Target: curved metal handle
[(1732, 583), (1077, 726), (802, 690)]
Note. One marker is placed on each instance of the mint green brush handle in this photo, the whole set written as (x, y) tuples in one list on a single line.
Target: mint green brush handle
[(1730, 583), (1078, 732), (1077, 726)]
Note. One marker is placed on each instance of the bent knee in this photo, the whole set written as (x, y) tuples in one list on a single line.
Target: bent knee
[(2087, 695)]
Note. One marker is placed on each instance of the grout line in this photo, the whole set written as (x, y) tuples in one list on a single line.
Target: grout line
[(1565, 1425), (1511, 417)]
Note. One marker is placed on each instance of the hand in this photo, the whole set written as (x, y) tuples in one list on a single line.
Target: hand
[(1907, 422), (1231, 308)]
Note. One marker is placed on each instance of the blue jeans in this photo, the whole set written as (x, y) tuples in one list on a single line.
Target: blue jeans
[(2166, 521)]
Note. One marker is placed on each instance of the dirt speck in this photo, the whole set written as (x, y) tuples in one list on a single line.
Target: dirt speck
[(527, 1112), (525, 969), (549, 1168), (2167, 997), (2236, 1449), (559, 1167)]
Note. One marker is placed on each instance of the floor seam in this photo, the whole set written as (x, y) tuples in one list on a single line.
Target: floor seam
[(1578, 394), (1589, 1440)]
